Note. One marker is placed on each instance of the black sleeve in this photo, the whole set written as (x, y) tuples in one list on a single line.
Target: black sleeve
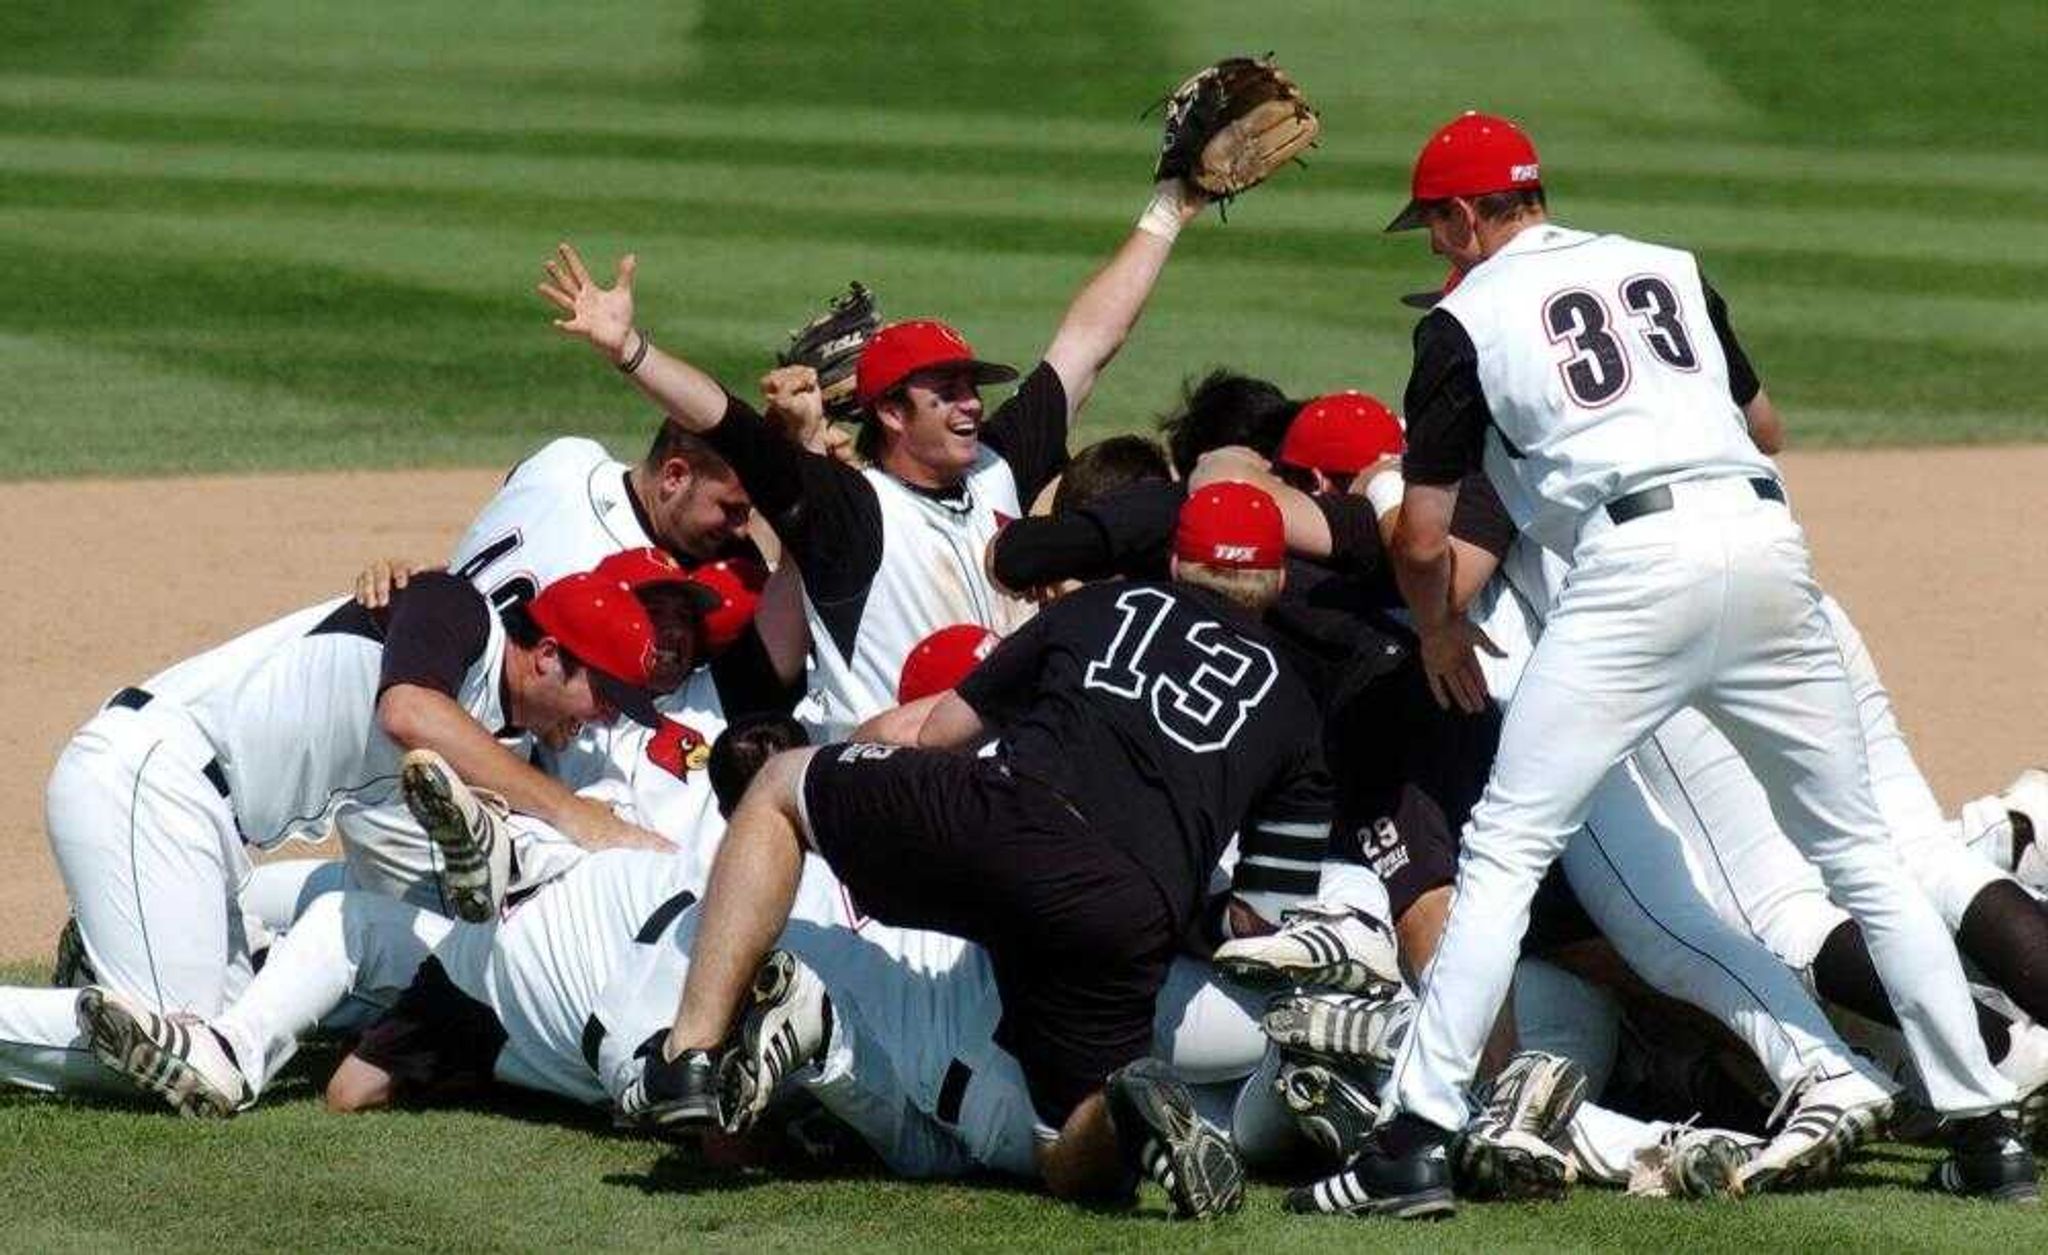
[(1743, 385), (1048, 548), (747, 682), (1447, 414), (438, 627), (824, 510), (1479, 518), (1001, 684), (1354, 525), (1029, 430)]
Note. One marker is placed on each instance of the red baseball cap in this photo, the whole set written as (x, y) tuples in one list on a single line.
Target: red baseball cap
[(1231, 524), (943, 659), (1428, 300), (901, 349), (737, 584), (1341, 434), (600, 620), (1471, 155)]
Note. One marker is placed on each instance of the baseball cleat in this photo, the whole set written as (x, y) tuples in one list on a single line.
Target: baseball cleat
[(1536, 1093), (73, 968), (1330, 1109), (786, 1025), (1406, 1187), (1987, 1160), (1828, 1121), (1693, 1164), (2026, 801), (679, 1093), (1153, 1113), (175, 1057), (1493, 1162), (1340, 1027), (476, 852), (1318, 946)]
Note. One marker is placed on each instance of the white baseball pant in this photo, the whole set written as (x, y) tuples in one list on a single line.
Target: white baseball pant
[(1710, 604)]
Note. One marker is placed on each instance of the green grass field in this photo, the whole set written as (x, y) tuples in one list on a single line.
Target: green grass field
[(249, 234), (279, 233)]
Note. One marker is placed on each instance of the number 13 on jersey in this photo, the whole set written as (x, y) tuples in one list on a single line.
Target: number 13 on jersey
[(1202, 712)]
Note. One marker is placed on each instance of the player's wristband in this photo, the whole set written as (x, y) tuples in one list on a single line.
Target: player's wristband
[(1385, 490), (632, 363), (1162, 216)]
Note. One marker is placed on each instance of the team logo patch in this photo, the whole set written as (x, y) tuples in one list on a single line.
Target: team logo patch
[(1522, 174), (678, 749)]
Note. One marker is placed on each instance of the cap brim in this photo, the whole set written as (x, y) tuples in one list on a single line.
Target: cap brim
[(1410, 217), (631, 701), (1422, 300)]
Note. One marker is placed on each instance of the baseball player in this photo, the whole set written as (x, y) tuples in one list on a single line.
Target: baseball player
[(1602, 369), (1161, 715), (889, 553), (154, 802)]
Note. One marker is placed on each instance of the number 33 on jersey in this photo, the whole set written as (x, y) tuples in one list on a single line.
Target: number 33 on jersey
[(1601, 366)]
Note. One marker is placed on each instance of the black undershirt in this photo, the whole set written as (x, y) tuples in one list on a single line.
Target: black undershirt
[(435, 630), (1446, 408)]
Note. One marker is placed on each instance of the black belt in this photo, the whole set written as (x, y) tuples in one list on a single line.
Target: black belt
[(136, 699), (1657, 500)]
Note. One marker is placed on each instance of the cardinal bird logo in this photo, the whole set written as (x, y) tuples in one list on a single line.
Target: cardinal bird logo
[(678, 749)]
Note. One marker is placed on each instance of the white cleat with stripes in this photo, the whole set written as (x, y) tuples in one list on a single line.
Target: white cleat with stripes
[(786, 1026), (463, 823), (1318, 946), (175, 1057), (1828, 1121), (1347, 1028)]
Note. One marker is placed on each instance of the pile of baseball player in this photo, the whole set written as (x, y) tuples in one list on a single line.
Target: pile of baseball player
[(1464, 807)]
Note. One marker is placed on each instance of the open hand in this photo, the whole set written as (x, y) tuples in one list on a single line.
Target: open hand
[(1450, 658), (603, 316)]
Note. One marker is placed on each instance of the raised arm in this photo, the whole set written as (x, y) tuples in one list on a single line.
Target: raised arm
[(1102, 314), (603, 318)]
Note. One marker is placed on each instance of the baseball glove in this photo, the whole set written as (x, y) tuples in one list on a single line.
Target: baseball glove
[(1231, 126), (831, 343)]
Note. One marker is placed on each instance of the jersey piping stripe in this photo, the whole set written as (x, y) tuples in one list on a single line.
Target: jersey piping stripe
[(1733, 976), (135, 872)]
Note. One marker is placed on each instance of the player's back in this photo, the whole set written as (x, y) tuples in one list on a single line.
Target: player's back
[(1161, 713), (562, 510), (1602, 370)]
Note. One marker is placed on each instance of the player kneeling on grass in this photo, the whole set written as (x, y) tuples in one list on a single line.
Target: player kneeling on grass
[(155, 801), (1142, 724)]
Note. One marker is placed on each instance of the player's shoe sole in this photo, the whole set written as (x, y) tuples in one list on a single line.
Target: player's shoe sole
[(1329, 1109), (156, 1053), (475, 855), (1536, 1093), (786, 1025), (1155, 1117), (1707, 1165), (1344, 1028), (1493, 1163)]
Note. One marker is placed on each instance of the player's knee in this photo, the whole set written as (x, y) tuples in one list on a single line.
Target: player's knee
[(357, 1086)]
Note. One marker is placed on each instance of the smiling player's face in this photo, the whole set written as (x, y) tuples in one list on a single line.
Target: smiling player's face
[(555, 706), (939, 421)]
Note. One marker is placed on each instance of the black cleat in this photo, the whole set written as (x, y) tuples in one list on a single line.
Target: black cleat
[(1988, 1160), (678, 1093), (1415, 1186), (1163, 1137)]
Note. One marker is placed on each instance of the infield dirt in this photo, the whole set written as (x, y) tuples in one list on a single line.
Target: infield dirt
[(1936, 553)]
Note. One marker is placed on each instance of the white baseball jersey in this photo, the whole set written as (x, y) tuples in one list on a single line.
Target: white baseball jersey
[(291, 710), (931, 576), (1599, 362), (563, 510)]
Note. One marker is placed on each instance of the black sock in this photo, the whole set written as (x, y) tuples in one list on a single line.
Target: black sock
[(1404, 1135), (1844, 974), (2005, 933)]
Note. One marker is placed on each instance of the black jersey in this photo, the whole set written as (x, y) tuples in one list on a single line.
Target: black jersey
[(1169, 719)]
